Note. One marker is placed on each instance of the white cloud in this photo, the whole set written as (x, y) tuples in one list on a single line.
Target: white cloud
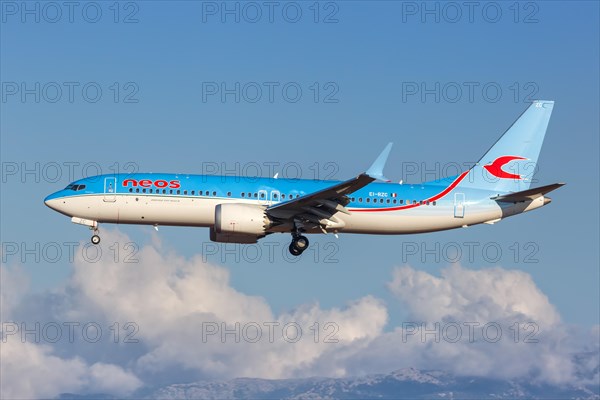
[(33, 371), (492, 294), (13, 286), (174, 300), (481, 303), (109, 378)]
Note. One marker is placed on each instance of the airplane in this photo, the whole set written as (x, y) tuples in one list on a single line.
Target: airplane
[(238, 210)]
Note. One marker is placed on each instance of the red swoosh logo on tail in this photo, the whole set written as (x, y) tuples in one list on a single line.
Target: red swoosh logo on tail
[(495, 168)]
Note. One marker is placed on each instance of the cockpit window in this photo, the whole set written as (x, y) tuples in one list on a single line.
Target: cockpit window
[(75, 187)]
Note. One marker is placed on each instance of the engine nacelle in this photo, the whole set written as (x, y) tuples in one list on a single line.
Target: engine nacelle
[(241, 219)]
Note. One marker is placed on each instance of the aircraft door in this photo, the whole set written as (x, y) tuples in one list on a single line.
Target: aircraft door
[(110, 188), (459, 205), (275, 197), (263, 199)]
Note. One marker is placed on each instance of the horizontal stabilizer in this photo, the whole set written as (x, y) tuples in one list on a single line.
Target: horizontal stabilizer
[(528, 194)]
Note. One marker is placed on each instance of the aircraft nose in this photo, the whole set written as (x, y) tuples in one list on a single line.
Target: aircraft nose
[(48, 202), (51, 201)]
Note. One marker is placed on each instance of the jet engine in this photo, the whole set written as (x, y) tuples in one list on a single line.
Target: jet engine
[(239, 223)]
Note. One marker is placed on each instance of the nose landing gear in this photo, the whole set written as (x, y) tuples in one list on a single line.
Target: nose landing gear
[(95, 239), (96, 236), (93, 225), (299, 244)]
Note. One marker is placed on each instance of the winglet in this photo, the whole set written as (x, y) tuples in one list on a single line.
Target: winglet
[(376, 169)]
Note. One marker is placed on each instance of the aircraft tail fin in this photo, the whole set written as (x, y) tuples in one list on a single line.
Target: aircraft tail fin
[(509, 165)]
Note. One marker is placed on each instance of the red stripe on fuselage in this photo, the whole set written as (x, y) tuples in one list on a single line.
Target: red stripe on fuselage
[(433, 198)]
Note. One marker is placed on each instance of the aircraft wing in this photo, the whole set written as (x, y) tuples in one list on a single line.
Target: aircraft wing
[(319, 207), (528, 194)]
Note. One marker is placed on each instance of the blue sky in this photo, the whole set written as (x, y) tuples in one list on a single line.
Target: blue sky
[(362, 65), (368, 54)]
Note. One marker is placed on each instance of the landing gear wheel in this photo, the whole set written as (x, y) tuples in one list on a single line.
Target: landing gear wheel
[(300, 242), (294, 251), (298, 245), (95, 239)]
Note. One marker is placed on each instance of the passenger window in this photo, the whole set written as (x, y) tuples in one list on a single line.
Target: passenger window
[(170, 191), (178, 191), (283, 196), (207, 192), (401, 201), (149, 190), (214, 193), (130, 190), (164, 191), (297, 195), (434, 203), (185, 192), (275, 197), (368, 200), (262, 195), (381, 200), (143, 190), (193, 192), (360, 199), (255, 195), (395, 201), (388, 201), (243, 194), (137, 190)]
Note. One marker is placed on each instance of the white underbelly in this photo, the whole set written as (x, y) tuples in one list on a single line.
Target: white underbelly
[(159, 210), (414, 221)]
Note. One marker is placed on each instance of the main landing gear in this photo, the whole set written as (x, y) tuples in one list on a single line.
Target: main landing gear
[(299, 244)]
